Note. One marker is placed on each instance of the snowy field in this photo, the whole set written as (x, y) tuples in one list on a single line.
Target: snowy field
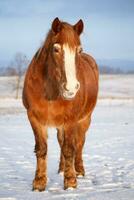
[(108, 154)]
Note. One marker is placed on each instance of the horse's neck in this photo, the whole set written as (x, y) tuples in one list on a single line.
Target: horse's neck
[(51, 88)]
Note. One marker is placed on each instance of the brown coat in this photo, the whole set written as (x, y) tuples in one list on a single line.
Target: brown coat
[(46, 107)]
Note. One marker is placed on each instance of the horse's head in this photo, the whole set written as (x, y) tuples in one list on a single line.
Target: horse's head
[(65, 49)]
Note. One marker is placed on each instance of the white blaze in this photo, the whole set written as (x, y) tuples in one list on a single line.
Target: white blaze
[(70, 68)]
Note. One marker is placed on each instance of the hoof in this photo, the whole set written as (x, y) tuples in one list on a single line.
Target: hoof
[(80, 171), (39, 184), (70, 189), (61, 173), (70, 183), (61, 170), (80, 174)]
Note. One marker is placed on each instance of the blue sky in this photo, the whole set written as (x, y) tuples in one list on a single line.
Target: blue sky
[(108, 31)]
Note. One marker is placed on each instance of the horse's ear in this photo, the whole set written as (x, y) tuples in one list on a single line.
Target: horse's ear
[(56, 25), (78, 27)]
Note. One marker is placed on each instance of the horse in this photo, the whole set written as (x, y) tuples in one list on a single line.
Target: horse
[(60, 90)]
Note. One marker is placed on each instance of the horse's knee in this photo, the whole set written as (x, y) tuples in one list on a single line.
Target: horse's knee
[(41, 150), (68, 150)]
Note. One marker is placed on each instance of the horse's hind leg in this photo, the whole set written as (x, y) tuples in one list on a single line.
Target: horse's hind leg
[(60, 136), (79, 143), (40, 133), (68, 150)]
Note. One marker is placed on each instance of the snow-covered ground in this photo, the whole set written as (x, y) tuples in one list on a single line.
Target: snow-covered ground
[(116, 86), (108, 154)]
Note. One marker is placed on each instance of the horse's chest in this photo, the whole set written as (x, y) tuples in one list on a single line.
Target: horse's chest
[(59, 114), (55, 116)]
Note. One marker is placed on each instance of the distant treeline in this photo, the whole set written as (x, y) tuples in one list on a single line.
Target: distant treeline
[(13, 71), (16, 67), (113, 70), (10, 71)]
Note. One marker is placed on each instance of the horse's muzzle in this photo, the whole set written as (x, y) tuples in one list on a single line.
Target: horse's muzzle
[(70, 94)]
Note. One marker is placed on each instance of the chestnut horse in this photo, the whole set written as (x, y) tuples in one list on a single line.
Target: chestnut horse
[(60, 90)]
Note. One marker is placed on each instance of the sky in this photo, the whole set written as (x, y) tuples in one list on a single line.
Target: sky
[(108, 26)]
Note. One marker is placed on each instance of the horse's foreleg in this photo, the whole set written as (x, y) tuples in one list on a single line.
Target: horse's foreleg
[(40, 133), (60, 136), (79, 143), (68, 150)]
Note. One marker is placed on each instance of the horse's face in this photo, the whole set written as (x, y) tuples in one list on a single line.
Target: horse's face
[(65, 51)]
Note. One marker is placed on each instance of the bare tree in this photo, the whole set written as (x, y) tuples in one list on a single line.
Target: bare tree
[(19, 63)]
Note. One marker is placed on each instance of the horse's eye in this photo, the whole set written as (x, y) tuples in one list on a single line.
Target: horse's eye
[(56, 48), (80, 49)]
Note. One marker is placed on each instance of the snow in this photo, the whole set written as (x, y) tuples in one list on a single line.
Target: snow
[(108, 158), (108, 154), (117, 86)]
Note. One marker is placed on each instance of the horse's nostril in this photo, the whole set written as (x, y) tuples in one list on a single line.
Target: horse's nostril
[(77, 86), (64, 86), (70, 93)]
